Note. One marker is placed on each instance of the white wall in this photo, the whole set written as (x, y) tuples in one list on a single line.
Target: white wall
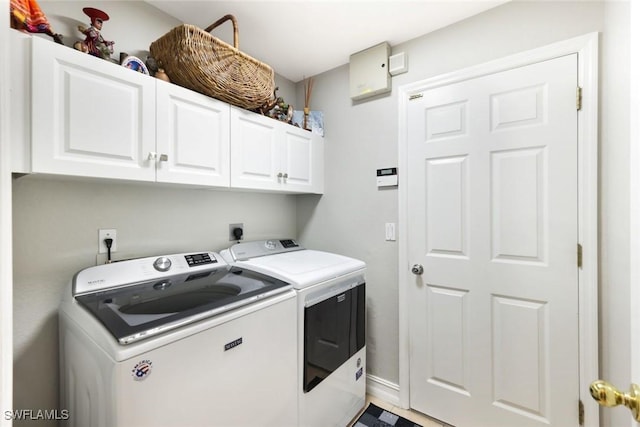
[(361, 137), (615, 285)]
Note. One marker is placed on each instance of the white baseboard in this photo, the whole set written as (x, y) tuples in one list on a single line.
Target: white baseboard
[(383, 390)]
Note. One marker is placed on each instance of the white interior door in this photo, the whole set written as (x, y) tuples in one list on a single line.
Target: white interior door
[(492, 186)]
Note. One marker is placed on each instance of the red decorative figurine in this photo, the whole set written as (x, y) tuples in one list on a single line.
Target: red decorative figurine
[(94, 43)]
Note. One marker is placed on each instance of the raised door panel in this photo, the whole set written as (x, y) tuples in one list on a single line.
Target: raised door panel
[(90, 117), (297, 160), (192, 137), (254, 151), (302, 161)]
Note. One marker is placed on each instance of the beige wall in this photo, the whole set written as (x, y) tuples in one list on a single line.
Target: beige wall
[(57, 221), (363, 136)]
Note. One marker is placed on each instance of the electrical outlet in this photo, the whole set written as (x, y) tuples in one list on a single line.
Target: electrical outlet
[(232, 237), (107, 234)]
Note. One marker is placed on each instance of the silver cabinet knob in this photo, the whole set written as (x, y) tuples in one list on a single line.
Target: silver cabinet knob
[(164, 157), (286, 175), (280, 175), (417, 269)]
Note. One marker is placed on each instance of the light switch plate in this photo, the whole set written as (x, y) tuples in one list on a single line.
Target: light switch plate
[(390, 232)]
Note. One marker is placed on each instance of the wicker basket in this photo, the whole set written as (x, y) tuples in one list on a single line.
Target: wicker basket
[(195, 59)]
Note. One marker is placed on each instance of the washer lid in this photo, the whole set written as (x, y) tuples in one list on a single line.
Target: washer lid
[(304, 267), (168, 299)]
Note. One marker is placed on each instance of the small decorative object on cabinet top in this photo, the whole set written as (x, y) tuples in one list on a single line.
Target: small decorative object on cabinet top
[(282, 111), (308, 87), (161, 75), (135, 64), (315, 121), (26, 15), (276, 108), (94, 43), (152, 65)]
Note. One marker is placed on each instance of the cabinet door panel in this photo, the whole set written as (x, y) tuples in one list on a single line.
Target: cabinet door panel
[(298, 160), (90, 118), (270, 155), (193, 131), (254, 151)]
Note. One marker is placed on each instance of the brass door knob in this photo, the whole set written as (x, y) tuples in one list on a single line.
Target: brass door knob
[(607, 395)]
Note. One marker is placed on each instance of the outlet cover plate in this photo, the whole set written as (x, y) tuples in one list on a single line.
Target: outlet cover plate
[(105, 233)]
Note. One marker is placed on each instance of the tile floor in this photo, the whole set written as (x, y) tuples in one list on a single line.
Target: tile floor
[(414, 416)]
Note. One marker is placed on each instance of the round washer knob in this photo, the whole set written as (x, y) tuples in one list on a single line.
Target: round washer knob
[(162, 264)]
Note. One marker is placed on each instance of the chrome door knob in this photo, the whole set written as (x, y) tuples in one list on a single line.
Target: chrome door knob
[(417, 269)]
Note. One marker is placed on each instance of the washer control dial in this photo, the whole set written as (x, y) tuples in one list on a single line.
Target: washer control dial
[(271, 244), (162, 264)]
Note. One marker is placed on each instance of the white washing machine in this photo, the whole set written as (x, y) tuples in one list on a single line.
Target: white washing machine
[(331, 325), (178, 340)]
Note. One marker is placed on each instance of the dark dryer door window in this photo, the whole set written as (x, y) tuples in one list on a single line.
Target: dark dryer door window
[(334, 331)]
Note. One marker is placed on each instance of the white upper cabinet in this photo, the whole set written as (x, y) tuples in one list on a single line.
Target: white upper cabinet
[(90, 118), (192, 137), (270, 155)]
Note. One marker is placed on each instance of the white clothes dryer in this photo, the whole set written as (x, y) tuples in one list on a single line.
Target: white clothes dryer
[(331, 325), (178, 340)]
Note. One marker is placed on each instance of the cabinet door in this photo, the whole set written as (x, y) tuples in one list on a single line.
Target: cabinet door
[(90, 117), (254, 151), (301, 161), (192, 137), (270, 155)]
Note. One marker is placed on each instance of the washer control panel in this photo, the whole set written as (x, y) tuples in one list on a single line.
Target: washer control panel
[(124, 273), (199, 259), (290, 243), (162, 264)]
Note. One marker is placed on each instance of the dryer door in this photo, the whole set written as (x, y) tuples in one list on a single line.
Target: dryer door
[(334, 331)]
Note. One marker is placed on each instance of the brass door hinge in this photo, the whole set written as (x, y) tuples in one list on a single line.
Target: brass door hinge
[(580, 413), (416, 96), (578, 98), (579, 255)]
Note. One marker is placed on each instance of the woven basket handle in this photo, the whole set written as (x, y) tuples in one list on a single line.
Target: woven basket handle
[(224, 19)]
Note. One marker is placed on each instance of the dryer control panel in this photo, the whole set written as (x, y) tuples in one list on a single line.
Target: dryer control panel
[(247, 250)]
